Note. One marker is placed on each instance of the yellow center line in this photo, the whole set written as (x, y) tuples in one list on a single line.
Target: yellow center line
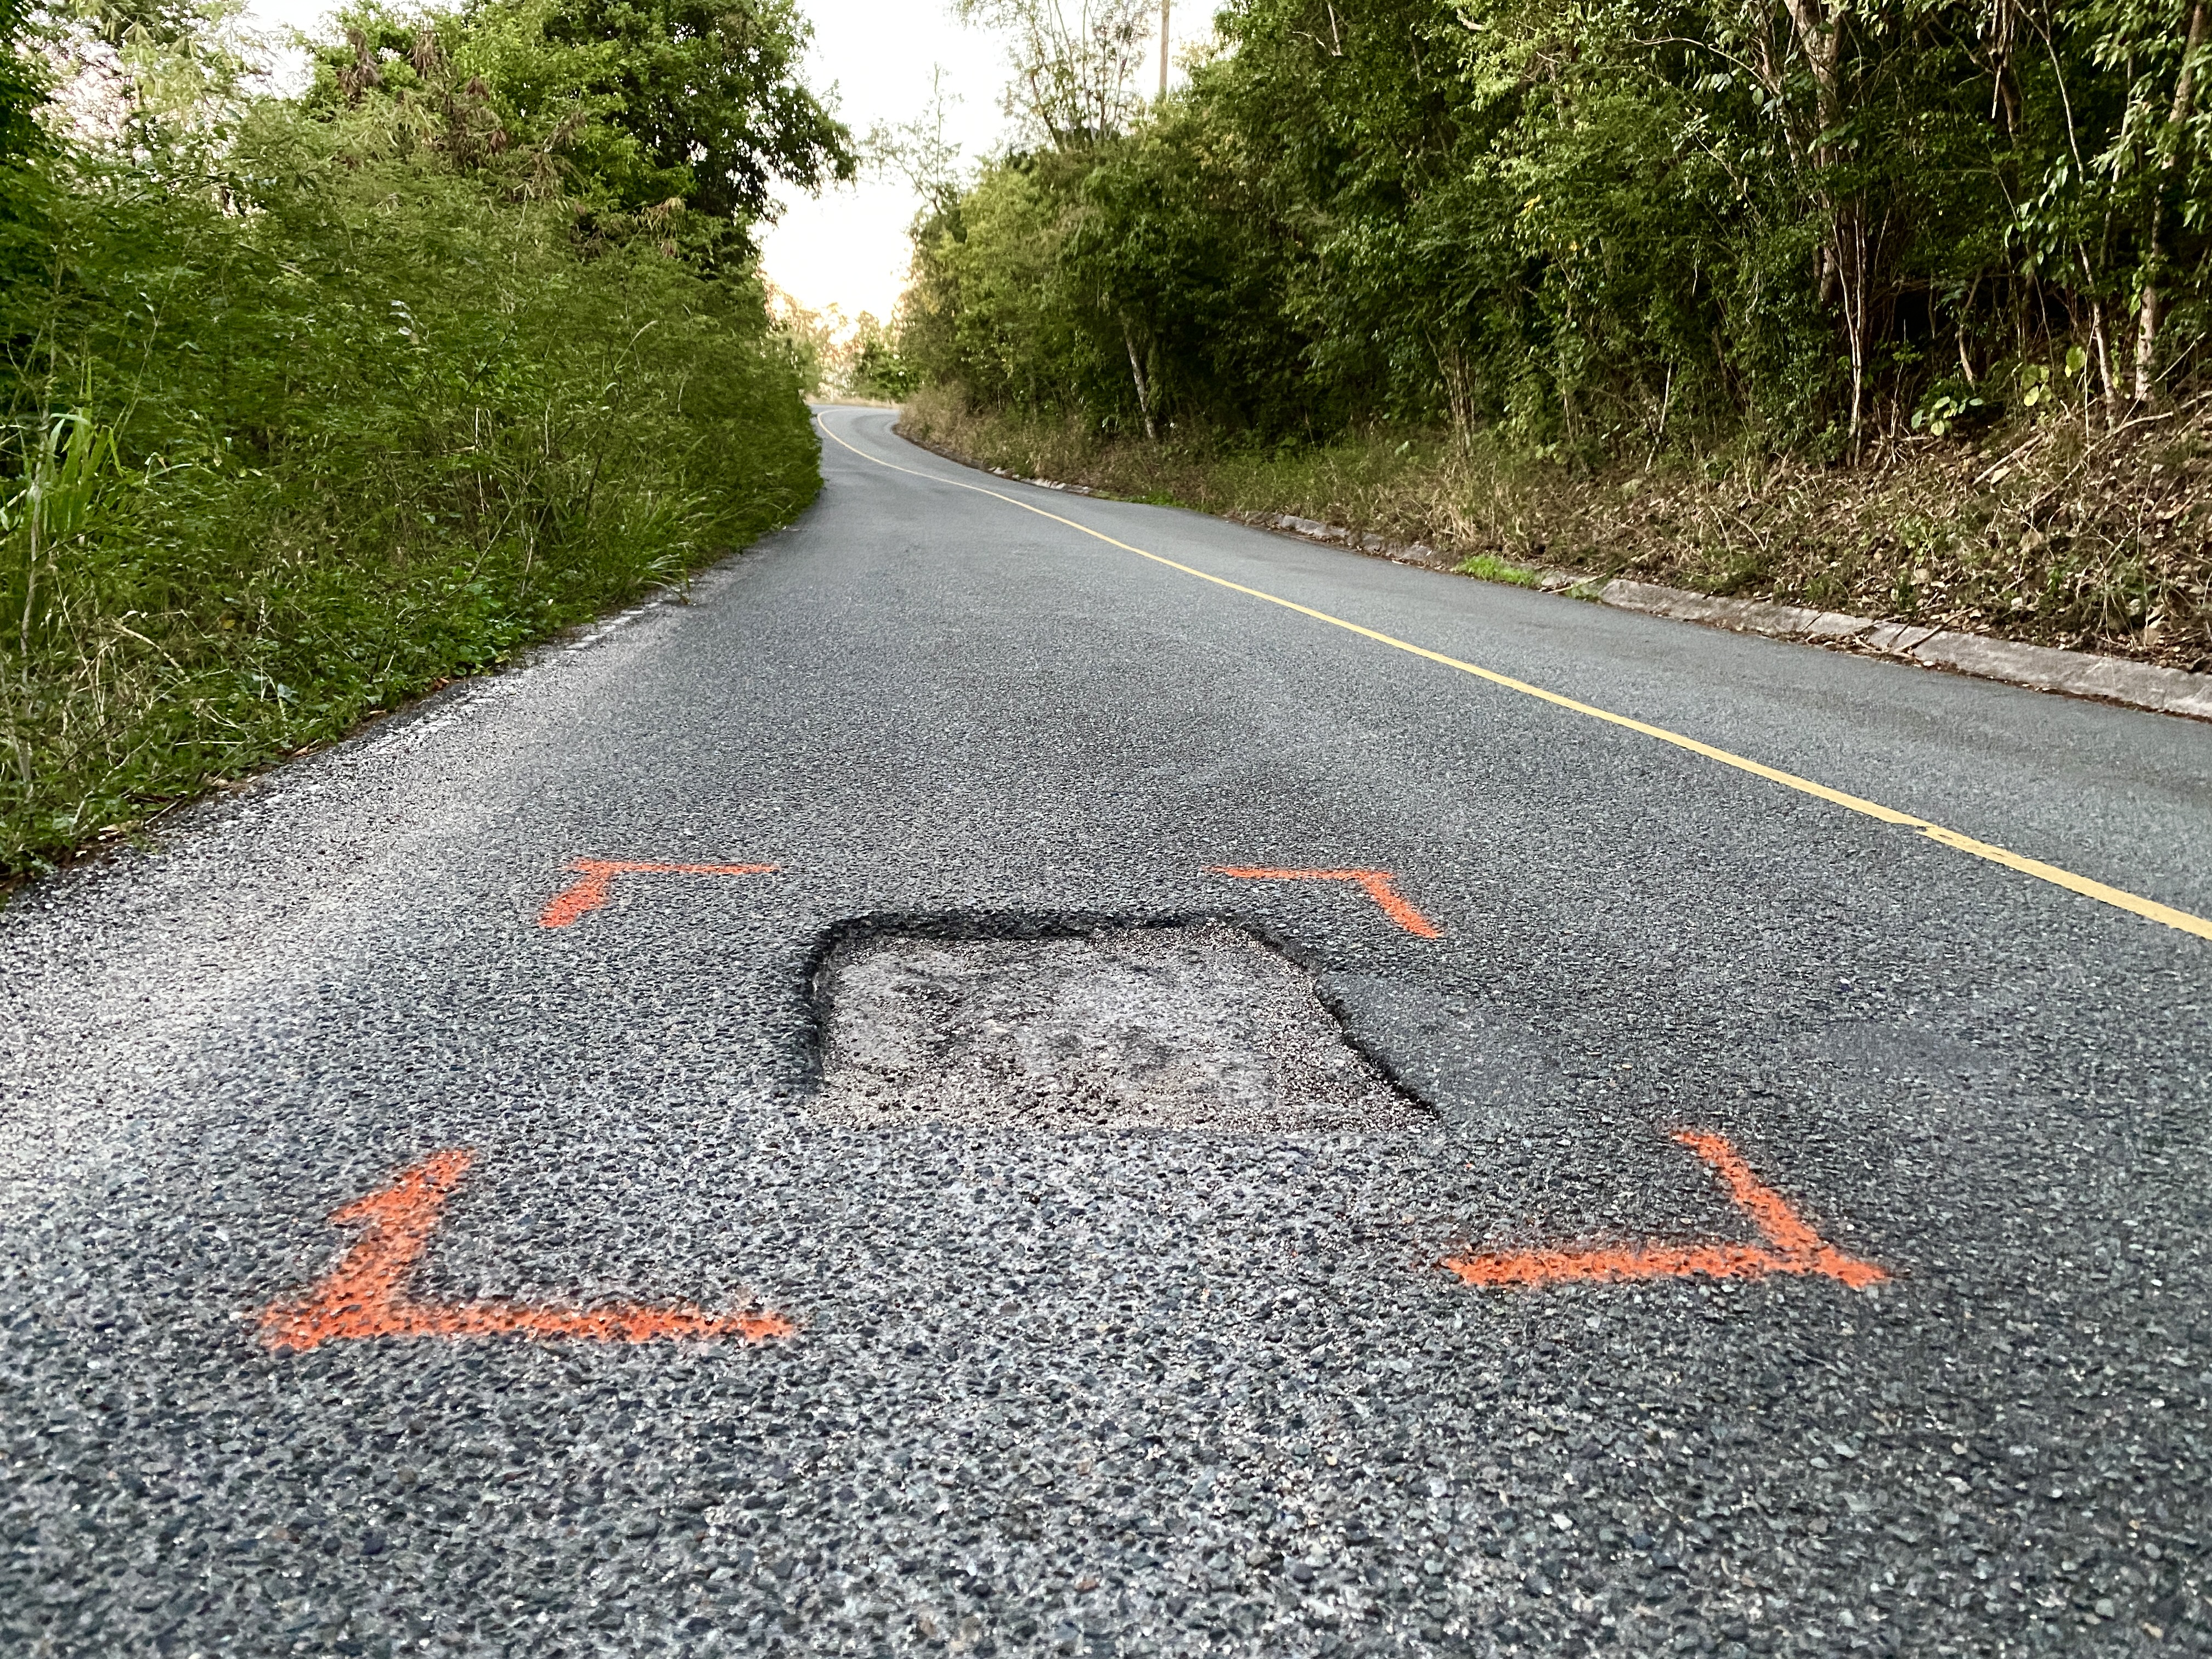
[(1981, 849)]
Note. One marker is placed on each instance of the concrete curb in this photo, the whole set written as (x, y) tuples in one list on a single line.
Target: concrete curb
[(2036, 667)]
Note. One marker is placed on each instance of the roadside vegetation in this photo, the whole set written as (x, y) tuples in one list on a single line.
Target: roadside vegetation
[(2030, 534), (315, 403), (1898, 311)]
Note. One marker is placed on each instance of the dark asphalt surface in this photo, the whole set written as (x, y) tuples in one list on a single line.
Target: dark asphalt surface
[(1138, 1391)]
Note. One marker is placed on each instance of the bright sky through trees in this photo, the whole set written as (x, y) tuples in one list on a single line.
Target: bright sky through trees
[(848, 247)]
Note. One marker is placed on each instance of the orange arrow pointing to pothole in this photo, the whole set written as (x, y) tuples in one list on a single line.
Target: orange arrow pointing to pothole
[(1792, 1247), (582, 898), (1376, 881), (366, 1294)]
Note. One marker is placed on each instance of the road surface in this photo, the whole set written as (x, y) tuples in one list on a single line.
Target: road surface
[(1572, 1191)]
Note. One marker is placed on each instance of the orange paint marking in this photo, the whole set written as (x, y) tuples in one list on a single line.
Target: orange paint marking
[(1377, 882), (598, 884), (367, 1295), (1792, 1247)]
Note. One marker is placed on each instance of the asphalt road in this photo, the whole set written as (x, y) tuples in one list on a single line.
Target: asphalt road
[(635, 1348)]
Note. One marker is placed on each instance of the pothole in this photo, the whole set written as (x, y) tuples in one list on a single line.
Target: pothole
[(1196, 1027)]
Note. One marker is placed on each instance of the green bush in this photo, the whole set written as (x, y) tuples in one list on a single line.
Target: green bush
[(346, 412)]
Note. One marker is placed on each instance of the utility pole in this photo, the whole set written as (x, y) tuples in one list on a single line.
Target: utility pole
[(1163, 47)]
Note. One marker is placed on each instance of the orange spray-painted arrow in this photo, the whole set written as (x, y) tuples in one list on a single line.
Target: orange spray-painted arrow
[(1792, 1247), (582, 898), (1376, 881), (366, 1295)]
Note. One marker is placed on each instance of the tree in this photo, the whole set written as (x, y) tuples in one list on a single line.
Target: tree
[(710, 91), (919, 151), (1806, 224), (1074, 76), (646, 108)]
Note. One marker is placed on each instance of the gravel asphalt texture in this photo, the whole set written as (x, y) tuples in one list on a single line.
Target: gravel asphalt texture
[(1128, 1392), (1193, 1027)]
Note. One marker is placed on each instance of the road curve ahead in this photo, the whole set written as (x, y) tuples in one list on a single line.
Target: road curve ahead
[(1031, 1075)]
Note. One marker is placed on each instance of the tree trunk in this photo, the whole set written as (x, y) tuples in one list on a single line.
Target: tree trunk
[(1144, 391), (1965, 309), (1845, 272), (1820, 37), (1459, 391), (1853, 279), (2147, 323), (2100, 338), (2147, 319)]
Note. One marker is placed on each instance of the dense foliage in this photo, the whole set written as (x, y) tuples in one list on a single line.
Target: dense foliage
[(1605, 224), (311, 404), (20, 92)]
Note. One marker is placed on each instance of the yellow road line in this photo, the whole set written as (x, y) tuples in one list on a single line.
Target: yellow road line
[(1981, 849)]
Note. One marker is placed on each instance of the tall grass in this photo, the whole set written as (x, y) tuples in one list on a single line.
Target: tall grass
[(285, 446)]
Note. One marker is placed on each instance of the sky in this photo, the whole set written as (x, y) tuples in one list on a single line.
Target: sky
[(847, 248)]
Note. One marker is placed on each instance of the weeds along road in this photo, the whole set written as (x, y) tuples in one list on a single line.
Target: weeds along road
[(1144, 1120)]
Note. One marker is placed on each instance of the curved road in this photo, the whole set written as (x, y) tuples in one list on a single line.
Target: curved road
[(1729, 1217)]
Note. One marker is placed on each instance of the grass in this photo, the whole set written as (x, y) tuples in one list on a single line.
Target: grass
[(2030, 531), (1497, 570)]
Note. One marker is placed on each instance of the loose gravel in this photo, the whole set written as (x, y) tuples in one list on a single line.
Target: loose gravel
[(1132, 1028)]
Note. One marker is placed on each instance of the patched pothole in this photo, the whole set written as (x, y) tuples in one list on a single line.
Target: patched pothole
[(1197, 1027)]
